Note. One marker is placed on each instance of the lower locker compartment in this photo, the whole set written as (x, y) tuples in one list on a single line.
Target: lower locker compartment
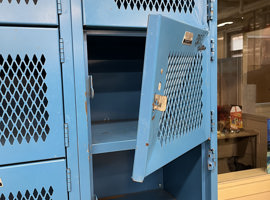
[(34, 181), (146, 195), (177, 180)]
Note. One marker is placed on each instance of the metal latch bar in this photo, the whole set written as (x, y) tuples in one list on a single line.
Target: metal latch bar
[(66, 132)]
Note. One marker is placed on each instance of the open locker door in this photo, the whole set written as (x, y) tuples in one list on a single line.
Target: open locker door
[(175, 99)]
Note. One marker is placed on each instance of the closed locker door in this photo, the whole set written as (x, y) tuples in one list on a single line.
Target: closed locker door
[(134, 13), (28, 12), (34, 181), (174, 112), (31, 108)]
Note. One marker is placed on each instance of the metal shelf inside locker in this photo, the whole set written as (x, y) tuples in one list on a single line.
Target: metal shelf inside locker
[(114, 136)]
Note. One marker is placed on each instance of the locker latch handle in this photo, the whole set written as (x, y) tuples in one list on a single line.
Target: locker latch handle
[(91, 85)]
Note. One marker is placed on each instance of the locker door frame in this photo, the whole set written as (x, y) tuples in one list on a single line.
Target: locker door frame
[(212, 177), (153, 151), (82, 101), (69, 93)]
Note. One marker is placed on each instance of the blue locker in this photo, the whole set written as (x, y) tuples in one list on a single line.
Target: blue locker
[(112, 99), (33, 141), (146, 96)]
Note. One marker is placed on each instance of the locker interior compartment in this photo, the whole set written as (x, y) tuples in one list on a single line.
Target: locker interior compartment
[(180, 179), (116, 63)]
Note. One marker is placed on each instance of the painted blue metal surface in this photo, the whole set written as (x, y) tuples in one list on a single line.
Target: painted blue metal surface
[(43, 180), (82, 99), (134, 14), (117, 136), (72, 156), (26, 12), (180, 72), (31, 120), (212, 186), (116, 167)]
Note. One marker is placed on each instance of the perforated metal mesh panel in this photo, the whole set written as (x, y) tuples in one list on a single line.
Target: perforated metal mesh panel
[(183, 89), (31, 112), (23, 99), (157, 5), (25, 12), (21, 1), (174, 112), (36, 194), (134, 13), (34, 181)]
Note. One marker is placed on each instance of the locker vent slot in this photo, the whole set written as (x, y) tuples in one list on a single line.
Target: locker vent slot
[(23, 99), (157, 5), (43, 194), (183, 89), (20, 1)]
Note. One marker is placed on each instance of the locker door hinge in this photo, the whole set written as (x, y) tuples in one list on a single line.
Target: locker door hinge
[(69, 180), (211, 160), (210, 10), (212, 121), (212, 48), (66, 132), (59, 7), (62, 53)]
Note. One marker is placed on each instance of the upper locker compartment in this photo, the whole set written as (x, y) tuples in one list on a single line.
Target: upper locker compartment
[(28, 12), (134, 13), (174, 114)]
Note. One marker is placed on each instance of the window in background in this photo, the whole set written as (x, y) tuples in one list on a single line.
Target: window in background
[(243, 80)]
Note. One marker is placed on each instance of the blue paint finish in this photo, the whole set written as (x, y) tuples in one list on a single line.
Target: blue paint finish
[(42, 48), (107, 14), (212, 188), (41, 13), (151, 151), (112, 175), (117, 136), (69, 99), (115, 106), (44, 179), (82, 99), (183, 177)]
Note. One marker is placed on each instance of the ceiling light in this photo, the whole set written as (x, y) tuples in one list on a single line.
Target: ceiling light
[(223, 24)]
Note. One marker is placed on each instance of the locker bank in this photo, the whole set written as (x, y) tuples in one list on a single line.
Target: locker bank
[(108, 99)]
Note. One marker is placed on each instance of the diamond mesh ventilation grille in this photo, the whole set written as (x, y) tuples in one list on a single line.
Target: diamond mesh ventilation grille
[(43, 194), (23, 99), (183, 89), (158, 5), (21, 1)]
